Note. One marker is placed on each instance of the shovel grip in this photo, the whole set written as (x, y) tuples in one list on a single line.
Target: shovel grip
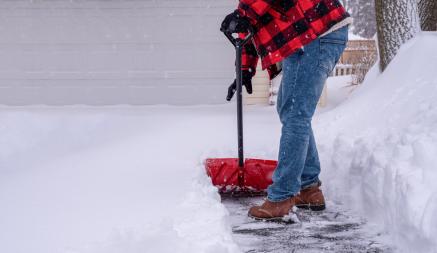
[(237, 42)]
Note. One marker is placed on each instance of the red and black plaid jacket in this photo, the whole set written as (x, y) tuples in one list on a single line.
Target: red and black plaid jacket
[(284, 26)]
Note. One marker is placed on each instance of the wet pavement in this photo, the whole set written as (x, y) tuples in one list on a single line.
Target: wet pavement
[(334, 230)]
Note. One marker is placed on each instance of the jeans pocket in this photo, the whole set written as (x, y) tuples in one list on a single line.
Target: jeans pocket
[(331, 50)]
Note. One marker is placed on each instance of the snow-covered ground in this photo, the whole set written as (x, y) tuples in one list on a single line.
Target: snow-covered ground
[(131, 179), (111, 179)]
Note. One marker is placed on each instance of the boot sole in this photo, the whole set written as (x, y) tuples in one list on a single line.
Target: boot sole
[(275, 220), (317, 208)]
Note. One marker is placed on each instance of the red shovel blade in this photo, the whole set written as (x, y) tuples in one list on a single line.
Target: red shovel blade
[(255, 176), (258, 173)]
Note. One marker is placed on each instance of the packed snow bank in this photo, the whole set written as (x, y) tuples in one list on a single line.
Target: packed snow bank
[(112, 180), (379, 148)]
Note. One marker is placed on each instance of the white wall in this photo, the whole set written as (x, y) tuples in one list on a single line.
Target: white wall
[(114, 51)]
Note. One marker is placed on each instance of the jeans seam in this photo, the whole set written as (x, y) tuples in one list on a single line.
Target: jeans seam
[(292, 87), (293, 98), (333, 41)]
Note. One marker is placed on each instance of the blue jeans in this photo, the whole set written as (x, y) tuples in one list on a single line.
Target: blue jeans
[(304, 75)]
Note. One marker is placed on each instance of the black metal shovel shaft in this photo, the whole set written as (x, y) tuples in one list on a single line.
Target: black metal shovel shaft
[(239, 79), (239, 44)]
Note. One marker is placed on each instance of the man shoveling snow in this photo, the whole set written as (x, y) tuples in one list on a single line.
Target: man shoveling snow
[(308, 37)]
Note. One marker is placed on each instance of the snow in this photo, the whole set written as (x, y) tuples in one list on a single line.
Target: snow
[(379, 147), (353, 36), (130, 179), (109, 180), (339, 88)]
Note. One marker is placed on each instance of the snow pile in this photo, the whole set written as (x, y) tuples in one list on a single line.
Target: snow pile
[(128, 180), (379, 148)]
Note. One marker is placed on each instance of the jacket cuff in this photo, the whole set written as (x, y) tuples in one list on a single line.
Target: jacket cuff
[(250, 69)]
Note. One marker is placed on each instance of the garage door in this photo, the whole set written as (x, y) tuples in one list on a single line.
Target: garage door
[(114, 52)]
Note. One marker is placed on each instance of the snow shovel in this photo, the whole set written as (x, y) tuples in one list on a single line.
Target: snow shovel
[(239, 175)]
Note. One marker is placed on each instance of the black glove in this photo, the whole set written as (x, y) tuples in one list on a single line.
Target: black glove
[(247, 82), (235, 23)]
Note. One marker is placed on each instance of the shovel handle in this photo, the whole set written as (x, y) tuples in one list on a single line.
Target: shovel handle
[(238, 44)]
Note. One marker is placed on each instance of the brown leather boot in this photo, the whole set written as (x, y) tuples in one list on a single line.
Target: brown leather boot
[(311, 198), (273, 211)]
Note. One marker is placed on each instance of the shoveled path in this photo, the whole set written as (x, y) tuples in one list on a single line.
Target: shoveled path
[(333, 230)]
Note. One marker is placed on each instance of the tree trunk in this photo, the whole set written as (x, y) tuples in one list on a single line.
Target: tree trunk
[(397, 22), (428, 14)]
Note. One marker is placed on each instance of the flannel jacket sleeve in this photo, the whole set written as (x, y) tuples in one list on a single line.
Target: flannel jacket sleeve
[(249, 57), (254, 9)]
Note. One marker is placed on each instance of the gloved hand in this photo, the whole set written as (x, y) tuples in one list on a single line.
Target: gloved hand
[(235, 23), (247, 82)]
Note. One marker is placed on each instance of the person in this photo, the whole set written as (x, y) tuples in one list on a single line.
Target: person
[(304, 39)]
